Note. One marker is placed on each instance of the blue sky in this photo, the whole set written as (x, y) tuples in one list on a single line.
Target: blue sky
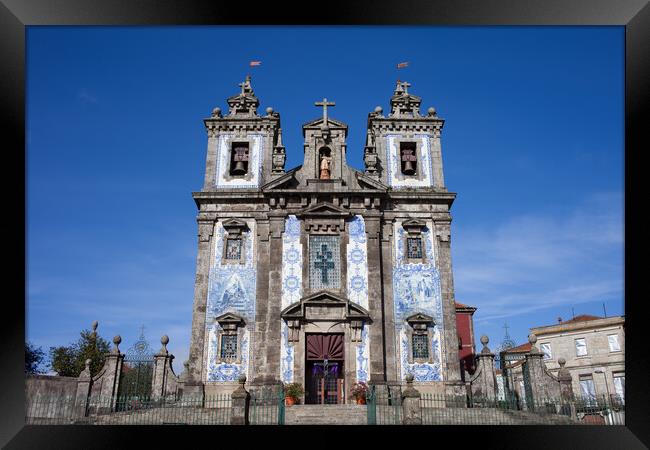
[(533, 144)]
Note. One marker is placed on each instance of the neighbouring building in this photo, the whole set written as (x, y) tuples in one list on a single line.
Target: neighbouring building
[(594, 350), (466, 343), (324, 272)]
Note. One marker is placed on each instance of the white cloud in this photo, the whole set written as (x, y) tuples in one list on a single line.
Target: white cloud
[(537, 262)]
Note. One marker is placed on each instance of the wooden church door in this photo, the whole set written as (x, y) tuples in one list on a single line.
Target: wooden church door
[(324, 377)]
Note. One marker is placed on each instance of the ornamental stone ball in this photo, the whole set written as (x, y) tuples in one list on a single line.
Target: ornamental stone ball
[(88, 361), (378, 109), (409, 378), (242, 379), (269, 110), (164, 340), (117, 339), (431, 111), (532, 338), (216, 112), (561, 362), (485, 340)]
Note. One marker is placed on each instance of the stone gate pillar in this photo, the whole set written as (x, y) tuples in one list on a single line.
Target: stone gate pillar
[(161, 367), (484, 381), (411, 409), (84, 384), (110, 376), (240, 404)]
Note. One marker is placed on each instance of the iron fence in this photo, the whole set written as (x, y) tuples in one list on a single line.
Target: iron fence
[(449, 410), (267, 407), (129, 410), (384, 405)]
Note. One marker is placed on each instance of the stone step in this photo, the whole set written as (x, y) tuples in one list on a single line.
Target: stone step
[(326, 415)]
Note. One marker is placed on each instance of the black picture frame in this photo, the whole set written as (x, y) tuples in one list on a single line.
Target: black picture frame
[(15, 15)]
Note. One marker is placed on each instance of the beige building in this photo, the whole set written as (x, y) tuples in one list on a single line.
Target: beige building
[(594, 350)]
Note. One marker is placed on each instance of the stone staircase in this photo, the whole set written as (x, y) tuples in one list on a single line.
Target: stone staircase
[(326, 415)]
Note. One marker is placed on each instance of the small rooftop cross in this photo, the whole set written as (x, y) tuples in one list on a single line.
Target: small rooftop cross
[(325, 104), (406, 85)]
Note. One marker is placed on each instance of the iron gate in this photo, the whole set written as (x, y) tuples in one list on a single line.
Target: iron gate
[(136, 377)]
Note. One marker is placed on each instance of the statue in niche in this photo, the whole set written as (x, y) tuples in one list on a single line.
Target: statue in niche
[(325, 164)]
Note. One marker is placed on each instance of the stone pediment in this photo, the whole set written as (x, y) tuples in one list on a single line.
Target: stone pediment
[(324, 209), (414, 225), (234, 226), (419, 320), (331, 123), (324, 305), (229, 320)]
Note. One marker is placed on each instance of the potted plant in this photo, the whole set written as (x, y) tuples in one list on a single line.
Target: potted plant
[(359, 392), (292, 393)]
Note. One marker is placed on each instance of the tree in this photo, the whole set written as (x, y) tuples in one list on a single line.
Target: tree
[(71, 360), (34, 357)]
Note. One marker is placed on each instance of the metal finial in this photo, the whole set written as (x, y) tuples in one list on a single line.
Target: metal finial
[(94, 325)]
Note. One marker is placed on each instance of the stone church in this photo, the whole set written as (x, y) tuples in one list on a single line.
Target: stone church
[(322, 274)]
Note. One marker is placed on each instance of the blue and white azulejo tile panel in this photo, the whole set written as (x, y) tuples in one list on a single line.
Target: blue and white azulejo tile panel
[(396, 179), (291, 289), (286, 356), (226, 372), (254, 164), (291, 262), (357, 255), (416, 288), (363, 355), (231, 288)]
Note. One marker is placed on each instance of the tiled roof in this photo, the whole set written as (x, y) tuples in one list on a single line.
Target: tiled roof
[(523, 348), (461, 305), (582, 318)]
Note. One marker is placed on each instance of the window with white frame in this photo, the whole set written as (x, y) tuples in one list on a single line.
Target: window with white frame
[(587, 388), (619, 386), (581, 347), (612, 339), (546, 349)]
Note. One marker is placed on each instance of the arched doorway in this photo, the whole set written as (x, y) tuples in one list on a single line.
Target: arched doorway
[(324, 368)]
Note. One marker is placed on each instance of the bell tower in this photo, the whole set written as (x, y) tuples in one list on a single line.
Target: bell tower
[(403, 148), (244, 148)]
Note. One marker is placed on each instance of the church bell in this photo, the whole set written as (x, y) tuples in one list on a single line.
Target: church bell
[(239, 168), (408, 168)]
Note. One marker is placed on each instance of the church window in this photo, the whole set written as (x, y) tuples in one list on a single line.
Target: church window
[(324, 262), (420, 346), (233, 248), (408, 158), (546, 350), (414, 248), (228, 346), (239, 159), (581, 347)]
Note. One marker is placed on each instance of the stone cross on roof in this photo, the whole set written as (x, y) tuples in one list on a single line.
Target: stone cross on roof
[(246, 85), (406, 85), (325, 104)]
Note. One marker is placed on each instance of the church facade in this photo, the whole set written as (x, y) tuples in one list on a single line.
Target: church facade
[(324, 272)]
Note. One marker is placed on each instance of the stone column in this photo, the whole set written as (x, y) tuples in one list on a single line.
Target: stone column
[(269, 304), (240, 404), (194, 383), (162, 360), (84, 384), (111, 376), (377, 363), (388, 301), (453, 383), (484, 382), (411, 410)]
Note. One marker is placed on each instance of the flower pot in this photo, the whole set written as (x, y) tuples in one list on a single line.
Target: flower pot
[(289, 401), (361, 400)]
